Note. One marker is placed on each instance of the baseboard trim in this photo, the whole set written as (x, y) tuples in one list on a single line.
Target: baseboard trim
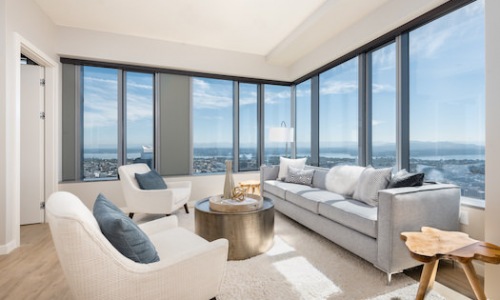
[(7, 248)]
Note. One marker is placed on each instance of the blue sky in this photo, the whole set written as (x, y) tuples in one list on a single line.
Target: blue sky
[(446, 95)]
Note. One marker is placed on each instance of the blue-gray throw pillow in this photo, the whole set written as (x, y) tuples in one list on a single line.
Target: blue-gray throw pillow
[(123, 233), (150, 181)]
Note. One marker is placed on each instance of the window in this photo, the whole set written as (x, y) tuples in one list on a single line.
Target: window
[(338, 115), (140, 122), (104, 147), (248, 126), (383, 105), (100, 122), (212, 124), (277, 114), (303, 120), (447, 125)]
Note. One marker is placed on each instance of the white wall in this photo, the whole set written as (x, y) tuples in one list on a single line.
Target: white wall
[(109, 47), (3, 132), (23, 24), (202, 186), (492, 222)]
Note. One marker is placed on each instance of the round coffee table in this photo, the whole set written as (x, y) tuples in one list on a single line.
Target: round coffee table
[(249, 233)]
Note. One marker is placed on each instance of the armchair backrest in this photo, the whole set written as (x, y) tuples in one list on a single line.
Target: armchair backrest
[(127, 174), (86, 256)]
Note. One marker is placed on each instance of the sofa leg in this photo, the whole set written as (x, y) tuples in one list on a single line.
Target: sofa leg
[(389, 278), (186, 208), (131, 215)]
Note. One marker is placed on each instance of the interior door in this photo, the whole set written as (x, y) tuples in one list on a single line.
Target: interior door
[(32, 144)]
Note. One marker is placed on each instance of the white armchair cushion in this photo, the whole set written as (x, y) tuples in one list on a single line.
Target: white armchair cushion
[(123, 233)]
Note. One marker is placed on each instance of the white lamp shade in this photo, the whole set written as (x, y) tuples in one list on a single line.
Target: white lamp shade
[(281, 134)]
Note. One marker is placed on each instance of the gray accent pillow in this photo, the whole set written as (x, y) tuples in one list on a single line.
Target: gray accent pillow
[(123, 233), (370, 182), (405, 179), (299, 176), (150, 181)]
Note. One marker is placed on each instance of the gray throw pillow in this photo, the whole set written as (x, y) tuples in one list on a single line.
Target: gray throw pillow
[(123, 233), (299, 176), (405, 179), (370, 182), (150, 181)]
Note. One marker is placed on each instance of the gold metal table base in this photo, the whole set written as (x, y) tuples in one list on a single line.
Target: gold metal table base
[(249, 233)]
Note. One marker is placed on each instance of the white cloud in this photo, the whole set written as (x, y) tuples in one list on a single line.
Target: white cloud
[(381, 88), (338, 87), (205, 96), (377, 122)]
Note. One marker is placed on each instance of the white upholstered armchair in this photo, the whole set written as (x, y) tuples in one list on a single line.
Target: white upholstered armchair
[(163, 201), (189, 267)]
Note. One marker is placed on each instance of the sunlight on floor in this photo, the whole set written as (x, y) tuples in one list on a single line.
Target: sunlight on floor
[(302, 275), (279, 247), (306, 279)]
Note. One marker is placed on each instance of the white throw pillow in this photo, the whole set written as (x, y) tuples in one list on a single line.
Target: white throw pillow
[(371, 181), (299, 163), (343, 179)]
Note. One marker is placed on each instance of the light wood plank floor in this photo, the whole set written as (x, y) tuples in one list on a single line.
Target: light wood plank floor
[(33, 271)]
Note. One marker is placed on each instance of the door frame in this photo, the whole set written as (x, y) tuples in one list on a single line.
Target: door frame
[(52, 130)]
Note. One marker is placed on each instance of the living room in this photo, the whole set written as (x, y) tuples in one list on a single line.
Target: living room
[(30, 31)]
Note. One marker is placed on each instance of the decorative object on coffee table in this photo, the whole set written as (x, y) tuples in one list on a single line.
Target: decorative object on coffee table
[(251, 186), (228, 181), (249, 203), (431, 245)]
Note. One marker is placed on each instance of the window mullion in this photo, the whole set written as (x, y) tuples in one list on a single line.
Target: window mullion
[(122, 115), (403, 101)]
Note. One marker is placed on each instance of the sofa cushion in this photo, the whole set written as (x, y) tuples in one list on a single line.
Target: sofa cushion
[(298, 163), (351, 213), (318, 177), (299, 176), (309, 199), (278, 188), (343, 179), (370, 182)]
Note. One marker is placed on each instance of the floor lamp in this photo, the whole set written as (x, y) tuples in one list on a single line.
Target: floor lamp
[(281, 134)]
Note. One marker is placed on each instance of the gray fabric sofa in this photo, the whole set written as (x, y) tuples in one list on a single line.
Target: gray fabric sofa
[(373, 233)]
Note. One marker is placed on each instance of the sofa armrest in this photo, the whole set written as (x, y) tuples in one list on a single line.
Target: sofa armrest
[(268, 173), (408, 209)]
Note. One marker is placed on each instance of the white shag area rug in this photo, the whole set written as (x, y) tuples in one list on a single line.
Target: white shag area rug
[(304, 265)]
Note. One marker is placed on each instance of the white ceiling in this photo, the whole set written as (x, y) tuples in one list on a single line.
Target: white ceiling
[(281, 30)]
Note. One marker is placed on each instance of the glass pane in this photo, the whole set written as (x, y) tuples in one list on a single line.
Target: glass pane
[(303, 120), (248, 127), (383, 90), (100, 122), (139, 99), (338, 115), (277, 115), (212, 124), (447, 98)]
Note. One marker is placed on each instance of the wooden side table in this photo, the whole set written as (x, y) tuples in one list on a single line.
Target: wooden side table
[(431, 245), (251, 186)]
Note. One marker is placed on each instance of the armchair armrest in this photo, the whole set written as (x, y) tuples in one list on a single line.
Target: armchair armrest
[(408, 209), (177, 184)]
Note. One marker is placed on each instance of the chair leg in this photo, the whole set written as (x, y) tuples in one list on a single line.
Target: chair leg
[(131, 215), (186, 208)]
